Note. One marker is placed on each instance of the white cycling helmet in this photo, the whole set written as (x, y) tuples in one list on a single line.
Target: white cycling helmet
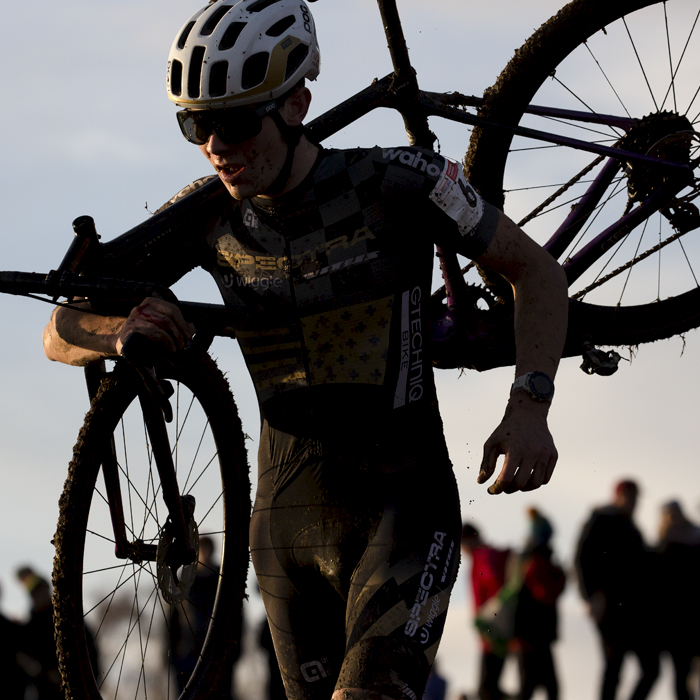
[(240, 52)]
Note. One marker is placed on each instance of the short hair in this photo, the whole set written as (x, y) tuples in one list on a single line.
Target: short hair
[(626, 486), (469, 532)]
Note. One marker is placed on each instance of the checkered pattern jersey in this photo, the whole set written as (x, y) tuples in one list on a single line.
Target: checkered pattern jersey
[(329, 285)]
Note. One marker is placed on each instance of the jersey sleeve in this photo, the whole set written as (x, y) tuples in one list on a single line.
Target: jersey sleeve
[(432, 192), (476, 219)]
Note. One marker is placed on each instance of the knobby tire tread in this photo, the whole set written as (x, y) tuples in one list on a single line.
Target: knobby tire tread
[(485, 164), (115, 394)]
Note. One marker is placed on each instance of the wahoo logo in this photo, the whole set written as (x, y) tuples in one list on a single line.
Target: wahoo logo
[(412, 158)]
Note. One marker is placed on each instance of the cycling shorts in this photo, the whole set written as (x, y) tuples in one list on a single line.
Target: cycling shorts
[(355, 567)]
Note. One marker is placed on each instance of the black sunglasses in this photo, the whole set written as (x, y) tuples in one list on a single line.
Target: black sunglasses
[(232, 125)]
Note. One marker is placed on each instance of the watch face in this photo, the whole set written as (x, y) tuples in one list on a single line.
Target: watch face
[(541, 384)]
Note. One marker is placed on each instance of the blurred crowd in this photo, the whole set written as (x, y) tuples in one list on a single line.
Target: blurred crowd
[(28, 664), (641, 598), (28, 659)]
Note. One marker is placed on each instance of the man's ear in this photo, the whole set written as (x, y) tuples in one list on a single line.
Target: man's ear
[(296, 106)]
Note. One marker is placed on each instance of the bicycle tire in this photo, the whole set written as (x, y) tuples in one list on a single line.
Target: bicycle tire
[(90, 583), (609, 320)]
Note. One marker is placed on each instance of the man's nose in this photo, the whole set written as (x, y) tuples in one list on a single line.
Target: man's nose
[(215, 146)]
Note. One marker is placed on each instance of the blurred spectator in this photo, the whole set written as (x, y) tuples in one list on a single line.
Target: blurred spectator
[(488, 575), (275, 686), (13, 678), (613, 570), (189, 624), (679, 572), (436, 687), (37, 647), (536, 612)]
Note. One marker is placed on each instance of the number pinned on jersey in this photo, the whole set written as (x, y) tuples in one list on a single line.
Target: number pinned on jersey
[(456, 197)]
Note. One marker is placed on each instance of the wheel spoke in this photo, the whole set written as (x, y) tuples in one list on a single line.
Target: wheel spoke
[(136, 611), (643, 65)]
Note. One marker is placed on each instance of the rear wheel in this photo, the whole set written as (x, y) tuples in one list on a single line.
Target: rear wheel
[(633, 58), (133, 627)]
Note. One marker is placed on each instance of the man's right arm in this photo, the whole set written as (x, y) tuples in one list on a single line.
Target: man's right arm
[(80, 338)]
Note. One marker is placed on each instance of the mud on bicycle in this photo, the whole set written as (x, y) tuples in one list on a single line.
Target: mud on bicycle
[(650, 182)]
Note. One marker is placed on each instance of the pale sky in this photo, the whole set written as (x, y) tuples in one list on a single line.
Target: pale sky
[(89, 130)]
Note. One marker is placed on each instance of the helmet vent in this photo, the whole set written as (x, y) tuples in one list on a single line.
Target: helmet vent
[(214, 19), (183, 37), (279, 27), (260, 5), (176, 77), (254, 70), (195, 71), (231, 35), (295, 59), (217, 79)]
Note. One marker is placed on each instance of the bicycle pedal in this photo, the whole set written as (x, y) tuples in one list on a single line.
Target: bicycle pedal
[(599, 362)]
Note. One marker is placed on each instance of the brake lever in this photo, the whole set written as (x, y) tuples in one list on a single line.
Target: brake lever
[(160, 389)]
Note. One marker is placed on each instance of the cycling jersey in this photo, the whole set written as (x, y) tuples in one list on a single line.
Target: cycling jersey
[(330, 287), (356, 525)]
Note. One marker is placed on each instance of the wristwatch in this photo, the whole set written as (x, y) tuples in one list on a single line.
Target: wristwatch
[(536, 384)]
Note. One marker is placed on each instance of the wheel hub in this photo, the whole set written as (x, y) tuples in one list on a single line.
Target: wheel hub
[(175, 581), (665, 135)]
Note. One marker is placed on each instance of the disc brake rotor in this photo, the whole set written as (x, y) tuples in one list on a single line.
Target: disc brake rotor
[(175, 585)]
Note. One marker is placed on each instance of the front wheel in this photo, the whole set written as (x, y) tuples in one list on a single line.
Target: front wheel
[(631, 67), (132, 627)]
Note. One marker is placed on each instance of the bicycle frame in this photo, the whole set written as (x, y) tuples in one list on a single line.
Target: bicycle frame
[(400, 91), (137, 549), (67, 282)]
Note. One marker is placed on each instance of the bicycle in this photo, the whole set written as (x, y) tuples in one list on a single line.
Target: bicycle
[(580, 240), (652, 165), (142, 526)]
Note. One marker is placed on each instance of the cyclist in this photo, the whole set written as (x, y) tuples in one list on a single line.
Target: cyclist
[(324, 259)]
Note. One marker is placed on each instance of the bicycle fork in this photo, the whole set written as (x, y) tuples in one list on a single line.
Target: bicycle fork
[(182, 549)]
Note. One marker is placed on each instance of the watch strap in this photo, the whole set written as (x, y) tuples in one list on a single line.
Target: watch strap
[(537, 385)]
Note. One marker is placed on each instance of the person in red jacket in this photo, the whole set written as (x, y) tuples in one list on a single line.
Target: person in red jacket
[(536, 622), (488, 575)]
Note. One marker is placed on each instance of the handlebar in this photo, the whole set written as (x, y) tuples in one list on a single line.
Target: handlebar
[(109, 296)]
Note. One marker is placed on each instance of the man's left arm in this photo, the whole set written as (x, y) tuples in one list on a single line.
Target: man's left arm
[(541, 309)]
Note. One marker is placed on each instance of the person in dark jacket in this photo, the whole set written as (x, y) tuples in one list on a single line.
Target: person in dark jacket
[(37, 644), (612, 564), (14, 679), (536, 619), (190, 622), (678, 553)]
